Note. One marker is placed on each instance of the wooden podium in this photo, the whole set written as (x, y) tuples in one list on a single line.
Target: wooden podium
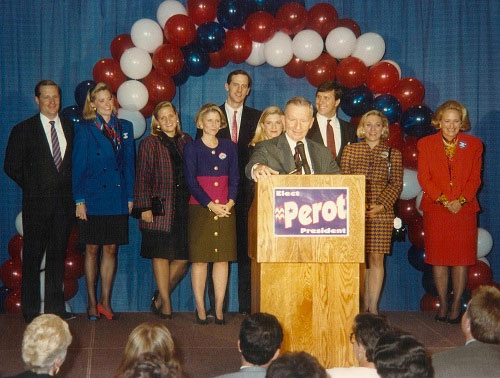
[(309, 282)]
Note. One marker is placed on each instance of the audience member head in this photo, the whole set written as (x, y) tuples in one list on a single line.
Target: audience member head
[(99, 100), (45, 343), (366, 331), (270, 125), (165, 120), (150, 365), (400, 355), (48, 98), (298, 118), (328, 97), (437, 117), (203, 114), (147, 338), (296, 365), (373, 117), (481, 321), (238, 85), (260, 338)]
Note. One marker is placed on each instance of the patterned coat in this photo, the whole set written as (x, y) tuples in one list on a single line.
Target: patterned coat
[(154, 177), (360, 159)]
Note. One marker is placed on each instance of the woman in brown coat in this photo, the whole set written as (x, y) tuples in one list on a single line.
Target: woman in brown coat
[(383, 169)]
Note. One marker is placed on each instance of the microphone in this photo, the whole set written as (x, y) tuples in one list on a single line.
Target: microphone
[(298, 167), (303, 158)]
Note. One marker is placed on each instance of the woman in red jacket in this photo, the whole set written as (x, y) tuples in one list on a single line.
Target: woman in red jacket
[(449, 166)]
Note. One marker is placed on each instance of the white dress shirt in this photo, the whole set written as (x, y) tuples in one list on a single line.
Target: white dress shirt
[(59, 130), (323, 122), (292, 145), (230, 116)]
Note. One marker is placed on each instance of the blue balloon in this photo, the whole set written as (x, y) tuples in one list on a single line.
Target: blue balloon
[(197, 61), (72, 113), (182, 76), (260, 6), (211, 36), (357, 101), (428, 281), (416, 121), (389, 105), (232, 14), (81, 92), (416, 257)]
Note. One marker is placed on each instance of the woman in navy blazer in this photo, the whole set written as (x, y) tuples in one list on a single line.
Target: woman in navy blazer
[(103, 184)]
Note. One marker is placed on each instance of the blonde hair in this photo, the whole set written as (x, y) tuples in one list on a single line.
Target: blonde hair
[(260, 133), (451, 105), (45, 340), (89, 112), (208, 108), (360, 131), (147, 338), (155, 125)]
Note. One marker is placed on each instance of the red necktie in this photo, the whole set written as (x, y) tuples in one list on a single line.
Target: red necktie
[(298, 163), (330, 139), (56, 150), (234, 129)]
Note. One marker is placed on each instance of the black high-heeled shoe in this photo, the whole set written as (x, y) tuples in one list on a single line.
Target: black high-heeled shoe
[(155, 310), (456, 320), (200, 321), (220, 321)]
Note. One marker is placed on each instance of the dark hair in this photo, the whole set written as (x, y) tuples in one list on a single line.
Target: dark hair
[(43, 83), (296, 365), (400, 355), (239, 72), (328, 86), (150, 365), (367, 330), (484, 314), (260, 337)]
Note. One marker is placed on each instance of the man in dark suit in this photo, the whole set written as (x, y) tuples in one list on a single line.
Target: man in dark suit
[(279, 155), (38, 159), (480, 356), (242, 121), (327, 128)]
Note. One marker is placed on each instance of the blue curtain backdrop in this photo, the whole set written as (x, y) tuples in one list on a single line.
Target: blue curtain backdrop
[(452, 46)]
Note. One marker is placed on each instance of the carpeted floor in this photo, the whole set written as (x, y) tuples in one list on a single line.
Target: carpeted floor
[(204, 351)]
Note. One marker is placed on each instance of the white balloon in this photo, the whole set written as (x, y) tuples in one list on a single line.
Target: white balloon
[(137, 119), (168, 9), (394, 64), (370, 48), (136, 63), (485, 260), (484, 242), (132, 95), (340, 42), (19, 223), (307, 45), (257, 56), (411, 187), (278, 50), (146, 34), (417, 202)]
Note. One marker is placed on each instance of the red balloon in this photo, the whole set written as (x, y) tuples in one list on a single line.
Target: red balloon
[(73, 265), (180, 30), (15, 247), (410, 153), (168, 59), (11, 274), (382, 77), (12, 303), (429, 303), (479, 274), (238, 45), (355, 121), (119, 44), (396, 137), (160, 87), (70, 288), (409, 91), (73, 239), (321, 69), (261, 26), (351, 72), (108, 71), (416, 233), (218, 59), (407, 211), (295, 68), (291, 18), (148, 110), (202, 11), (349, 24), (322, 18)]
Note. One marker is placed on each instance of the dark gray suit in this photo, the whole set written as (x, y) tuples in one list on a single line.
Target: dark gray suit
[(248, 372), (474, 360), (276, 154)]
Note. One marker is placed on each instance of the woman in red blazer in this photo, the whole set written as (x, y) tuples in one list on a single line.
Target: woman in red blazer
[(449, 166)]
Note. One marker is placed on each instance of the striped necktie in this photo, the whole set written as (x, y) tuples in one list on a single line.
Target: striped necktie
[(56, 150)]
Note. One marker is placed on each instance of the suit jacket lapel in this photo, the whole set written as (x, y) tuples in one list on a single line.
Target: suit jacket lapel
[(315, 160), (286, 154), (44, 145)]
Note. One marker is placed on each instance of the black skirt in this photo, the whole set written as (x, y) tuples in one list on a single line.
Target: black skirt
[(103, 229)]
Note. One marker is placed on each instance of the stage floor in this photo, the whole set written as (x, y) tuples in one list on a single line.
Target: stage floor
[(204, 351)]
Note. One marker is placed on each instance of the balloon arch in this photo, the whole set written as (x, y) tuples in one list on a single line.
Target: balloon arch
[(157, 56)]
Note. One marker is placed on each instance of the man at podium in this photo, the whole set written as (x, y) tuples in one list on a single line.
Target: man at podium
[(292, 152)]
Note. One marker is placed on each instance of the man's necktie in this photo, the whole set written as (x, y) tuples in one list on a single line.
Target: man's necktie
[(56, 150), (298, 162), (330, 139), (234, 129)]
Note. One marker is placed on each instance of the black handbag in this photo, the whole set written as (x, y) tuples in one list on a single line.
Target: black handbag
[(157, 206), (399, 230)]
